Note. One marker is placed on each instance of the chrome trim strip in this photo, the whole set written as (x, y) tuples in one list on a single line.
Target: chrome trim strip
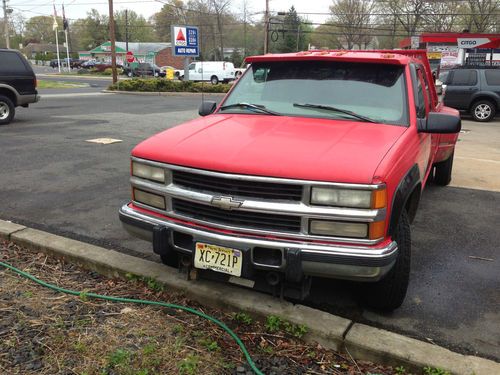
[(341, 250), (259, 178), (272, 207), (292, 235)]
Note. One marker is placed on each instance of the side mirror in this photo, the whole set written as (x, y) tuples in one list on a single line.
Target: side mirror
[(443, 123), (207, 107)]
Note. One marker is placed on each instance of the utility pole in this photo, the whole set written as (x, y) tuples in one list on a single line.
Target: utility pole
[(6, 24), (112, 39), (126, 29), (266, 31)]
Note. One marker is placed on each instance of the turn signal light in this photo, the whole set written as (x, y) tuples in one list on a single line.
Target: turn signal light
[(377, 230), (379, 198)]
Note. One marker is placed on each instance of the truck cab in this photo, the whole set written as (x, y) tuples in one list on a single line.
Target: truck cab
[(313, 165)]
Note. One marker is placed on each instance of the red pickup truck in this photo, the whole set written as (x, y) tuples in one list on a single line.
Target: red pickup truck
[(313, 165)]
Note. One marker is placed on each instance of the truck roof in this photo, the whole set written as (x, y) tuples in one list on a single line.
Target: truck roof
[(396, 57), (400, 57)]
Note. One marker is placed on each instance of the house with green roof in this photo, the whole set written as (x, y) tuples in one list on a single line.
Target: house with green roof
[(154, 53)]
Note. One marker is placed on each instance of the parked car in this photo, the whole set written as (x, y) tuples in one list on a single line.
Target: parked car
[(212, 71), (313, 165), (88, 64), (440, 81), (475, 90), (239, 71), (76, 63), (144, 69), (17, 84)]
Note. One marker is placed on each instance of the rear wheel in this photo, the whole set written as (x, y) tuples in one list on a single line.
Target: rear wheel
[(214, 80), (389, 293), (7, 110), (483, 110), (442, 171)]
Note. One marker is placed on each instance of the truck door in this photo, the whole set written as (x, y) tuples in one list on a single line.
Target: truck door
[(428, 142)]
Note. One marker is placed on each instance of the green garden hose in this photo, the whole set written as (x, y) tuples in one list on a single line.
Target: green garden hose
[(143, 302)]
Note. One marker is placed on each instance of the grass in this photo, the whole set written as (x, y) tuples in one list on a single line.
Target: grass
[(57, 334), (45, 84)]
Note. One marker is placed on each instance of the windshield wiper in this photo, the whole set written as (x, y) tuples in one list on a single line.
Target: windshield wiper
[(260, 108), (335, 109)]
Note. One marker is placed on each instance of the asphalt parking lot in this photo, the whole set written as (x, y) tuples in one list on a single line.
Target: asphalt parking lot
[(53, 179)]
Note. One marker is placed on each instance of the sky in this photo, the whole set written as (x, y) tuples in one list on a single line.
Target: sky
[(79, 8)]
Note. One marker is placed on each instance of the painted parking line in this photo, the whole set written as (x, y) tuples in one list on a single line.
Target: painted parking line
[(73, 95)]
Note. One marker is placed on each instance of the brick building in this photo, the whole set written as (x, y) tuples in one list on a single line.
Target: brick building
[(156, 53)]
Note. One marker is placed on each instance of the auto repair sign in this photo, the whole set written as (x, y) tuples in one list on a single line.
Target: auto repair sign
[(185, 41)]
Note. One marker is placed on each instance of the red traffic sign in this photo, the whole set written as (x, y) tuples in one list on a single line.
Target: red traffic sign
[(130, 57)]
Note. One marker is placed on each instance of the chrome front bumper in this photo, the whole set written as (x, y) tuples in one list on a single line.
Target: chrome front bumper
[(348, 262)]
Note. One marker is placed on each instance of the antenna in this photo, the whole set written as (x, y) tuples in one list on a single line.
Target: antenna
[(202, 71)]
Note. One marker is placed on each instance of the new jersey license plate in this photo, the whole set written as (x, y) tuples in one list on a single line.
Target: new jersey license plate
[(218, 258)]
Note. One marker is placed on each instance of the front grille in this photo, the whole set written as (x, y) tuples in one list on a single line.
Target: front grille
[(241, 188), (237, 218)]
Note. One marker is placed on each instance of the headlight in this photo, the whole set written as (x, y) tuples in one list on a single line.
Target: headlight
[(338, 228), (326, 196), (148, 172), (341, 197), (149, 199)]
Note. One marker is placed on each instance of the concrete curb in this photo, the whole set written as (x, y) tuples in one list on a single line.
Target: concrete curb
[(361, 341), (179, 93)]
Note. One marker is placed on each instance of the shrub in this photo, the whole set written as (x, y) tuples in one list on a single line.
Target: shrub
[(164, 85)]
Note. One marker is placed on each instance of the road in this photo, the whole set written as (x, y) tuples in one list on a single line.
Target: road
[(53, 179)]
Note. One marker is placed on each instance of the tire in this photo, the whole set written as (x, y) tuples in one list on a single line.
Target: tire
[(156, 74), (389, 293), (7, 110), (483, 111), (181, 78), (442, 171), (130, 74), (214, 80)]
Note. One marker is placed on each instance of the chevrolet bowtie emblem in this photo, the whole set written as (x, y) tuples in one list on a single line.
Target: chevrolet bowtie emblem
[(226, 203)]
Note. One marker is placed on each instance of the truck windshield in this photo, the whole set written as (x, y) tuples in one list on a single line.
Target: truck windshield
[(373, 91)]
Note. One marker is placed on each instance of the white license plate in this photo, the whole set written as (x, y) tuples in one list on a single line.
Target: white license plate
[(218, 258)]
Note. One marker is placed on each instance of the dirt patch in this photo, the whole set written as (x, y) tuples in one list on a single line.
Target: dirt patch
[(45, 332)]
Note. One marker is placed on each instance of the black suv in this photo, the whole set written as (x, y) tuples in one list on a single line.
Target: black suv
[(144, 69), (17, 84), (474, 89)]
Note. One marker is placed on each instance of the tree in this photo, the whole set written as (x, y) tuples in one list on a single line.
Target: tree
[(409, 14), (484, 15), (172, 13), (220, 8), (352, 19), (292, 33), (444, 16), (139, 30), (38, 29), (92, 31)]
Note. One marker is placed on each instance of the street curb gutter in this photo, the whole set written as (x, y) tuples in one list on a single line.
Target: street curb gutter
[(361, 341), (158, 93)]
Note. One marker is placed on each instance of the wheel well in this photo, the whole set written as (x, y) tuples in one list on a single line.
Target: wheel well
[(412, 202), (9, 94), (488, 98)]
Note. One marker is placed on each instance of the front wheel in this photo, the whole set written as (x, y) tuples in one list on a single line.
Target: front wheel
[(483, 110), (389, 293), (7, 110), (214, 80), (442, 171)]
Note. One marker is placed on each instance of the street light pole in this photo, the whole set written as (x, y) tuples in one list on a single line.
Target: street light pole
[(266, 31), (6, 24), (112, 39)]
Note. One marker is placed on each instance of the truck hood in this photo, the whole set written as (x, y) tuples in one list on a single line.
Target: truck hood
[(277, 146)]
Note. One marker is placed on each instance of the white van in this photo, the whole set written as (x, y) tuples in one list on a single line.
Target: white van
[(213, 71)]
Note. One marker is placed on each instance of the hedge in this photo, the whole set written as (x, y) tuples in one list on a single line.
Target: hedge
[(165, 85)]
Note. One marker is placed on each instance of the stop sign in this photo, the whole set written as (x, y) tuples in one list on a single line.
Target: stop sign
[(130, 57)]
